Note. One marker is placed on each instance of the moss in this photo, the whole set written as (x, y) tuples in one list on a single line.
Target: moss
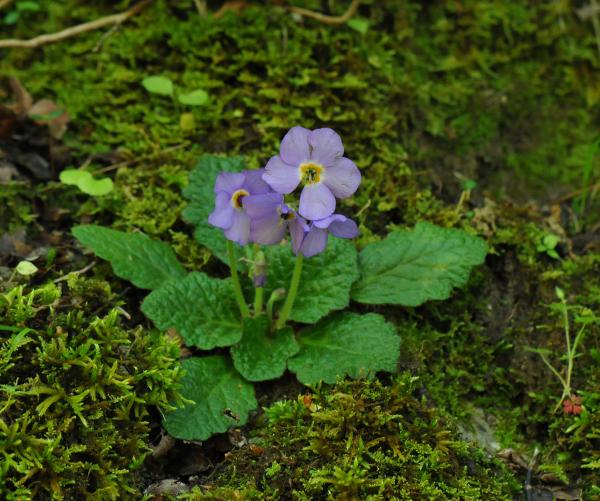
[(75, 392), (462, 92), (362, 440), (473, 356)]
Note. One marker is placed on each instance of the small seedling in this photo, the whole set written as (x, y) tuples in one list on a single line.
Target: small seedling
[(20, 7), (26, 268), (163, 86), (548, 245), (571, 402), (86, 182)]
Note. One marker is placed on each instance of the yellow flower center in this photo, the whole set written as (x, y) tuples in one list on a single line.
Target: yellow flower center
[(311, 173), (236, 198), (286, 217)]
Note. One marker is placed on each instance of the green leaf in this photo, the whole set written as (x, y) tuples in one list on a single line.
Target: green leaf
[(195, 98), (12, 17), (222, 399), (325, 282), (550, 241), (26, 268), (411, 267), (359, 24), (28, 5), (346, 344), (86, 182), (187, 122), (200, 193), (262, 355), (146, 263), (202, 309), (158, 85)]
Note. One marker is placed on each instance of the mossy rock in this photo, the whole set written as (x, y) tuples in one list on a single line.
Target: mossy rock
[(75, 394), (360, 440)]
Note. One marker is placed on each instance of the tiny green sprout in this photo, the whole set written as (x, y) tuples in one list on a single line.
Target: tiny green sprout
[(164, 86), (359, 24), (548, 245), (197, 97), (583, 319), (14, 15), (469, 185), (26, 268), (86, 182), (187, 122), (158, 85)]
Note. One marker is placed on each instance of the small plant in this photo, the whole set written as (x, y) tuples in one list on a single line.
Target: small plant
[(163, 86), (279, 249), (572, 403), (548, 245), (20, 7), (87, 183)]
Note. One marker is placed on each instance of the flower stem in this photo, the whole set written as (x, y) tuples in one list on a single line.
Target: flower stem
[(291, 295), (235, 280), (258, 300)]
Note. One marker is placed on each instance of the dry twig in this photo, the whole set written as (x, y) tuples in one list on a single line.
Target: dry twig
[(115, 19), (200, 7), (328, 19)]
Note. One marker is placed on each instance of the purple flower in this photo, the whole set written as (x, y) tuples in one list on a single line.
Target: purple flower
[(231, 189), (270, 218), (316, 233), (313, 158)]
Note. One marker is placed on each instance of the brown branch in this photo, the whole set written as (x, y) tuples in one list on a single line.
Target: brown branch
[(328, 19), (74, 30)]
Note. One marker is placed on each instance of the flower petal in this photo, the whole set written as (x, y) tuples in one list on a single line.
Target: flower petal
[(294, 147), (338, 225), (314, 242), (229, 181), (326, 146), (240, 229), (267, 230), (280, 176), (316, 202), (254, 182), (222, 216), (342, 177), (259, 206), (345, 228), (298, 229)]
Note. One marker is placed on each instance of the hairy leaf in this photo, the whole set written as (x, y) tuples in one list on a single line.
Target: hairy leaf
[(221, 399), (202, 309), (146, 263), (262, 355), (346, 344), (411, 267), (325, 282)]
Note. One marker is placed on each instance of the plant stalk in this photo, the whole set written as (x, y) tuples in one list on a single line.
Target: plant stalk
[(235, 280), (291, 295)]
